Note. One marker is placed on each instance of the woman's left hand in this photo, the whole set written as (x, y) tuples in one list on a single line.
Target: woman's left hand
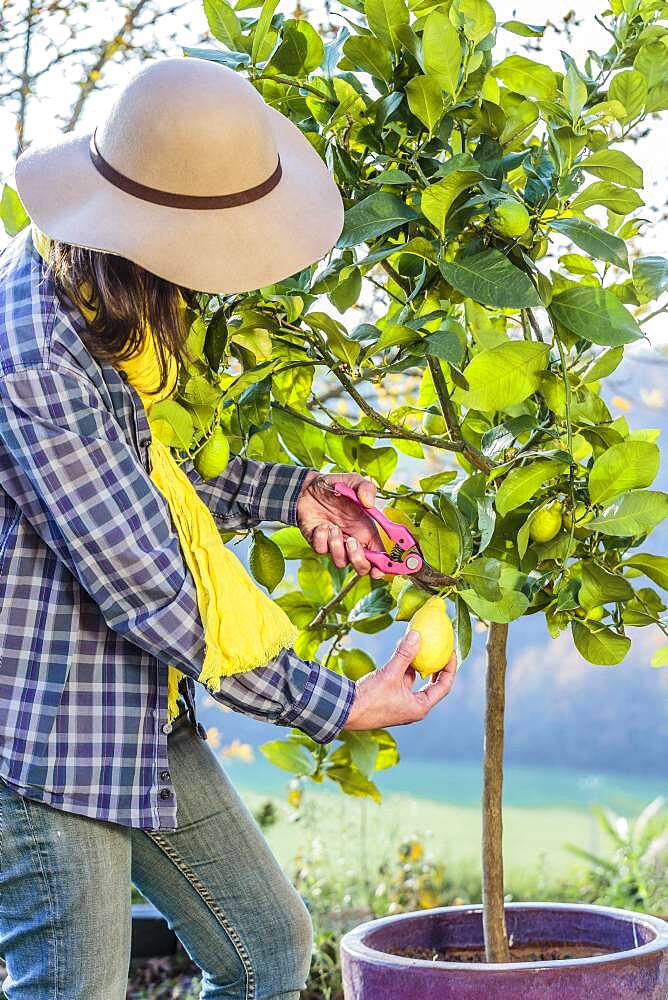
[(335, 525)]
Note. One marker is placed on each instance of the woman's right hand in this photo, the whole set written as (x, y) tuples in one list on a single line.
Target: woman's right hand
[(386, 697)]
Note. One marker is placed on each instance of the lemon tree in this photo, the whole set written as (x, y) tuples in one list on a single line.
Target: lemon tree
[(455, 344)]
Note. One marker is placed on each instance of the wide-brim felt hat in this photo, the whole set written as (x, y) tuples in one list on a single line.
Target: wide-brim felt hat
[(193, 176)]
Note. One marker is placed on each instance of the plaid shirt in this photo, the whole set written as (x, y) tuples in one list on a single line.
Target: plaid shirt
[(95, 597)]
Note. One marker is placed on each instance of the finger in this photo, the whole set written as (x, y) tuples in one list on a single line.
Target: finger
[(337, 548), (401, 659), (320, 539), (358, 560), (437, 689), (377, 574), (366, 491)]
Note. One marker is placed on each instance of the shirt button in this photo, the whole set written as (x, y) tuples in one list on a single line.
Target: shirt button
[(165, 793), (165, 775), (167, 728)]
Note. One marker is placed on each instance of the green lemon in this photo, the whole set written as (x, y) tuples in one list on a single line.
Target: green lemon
[(595, 614), (546, 524), (213, 457), (434, 424), (411, 600), (509, 218), (581, 515)]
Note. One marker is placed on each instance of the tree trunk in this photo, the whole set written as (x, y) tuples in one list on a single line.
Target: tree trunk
[(494, 920)]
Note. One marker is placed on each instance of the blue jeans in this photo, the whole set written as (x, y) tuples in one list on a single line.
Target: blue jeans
[(65, 916)]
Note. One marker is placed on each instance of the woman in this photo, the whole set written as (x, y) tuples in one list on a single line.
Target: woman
[(191, 182)]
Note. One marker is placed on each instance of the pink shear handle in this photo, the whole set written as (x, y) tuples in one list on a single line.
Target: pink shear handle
[(398, 533)]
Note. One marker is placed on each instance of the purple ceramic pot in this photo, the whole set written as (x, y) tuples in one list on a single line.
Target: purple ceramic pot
[(637, 967)]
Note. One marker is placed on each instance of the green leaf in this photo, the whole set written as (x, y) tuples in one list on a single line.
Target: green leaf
[(301, 50), (385, 17), (600, 645), (178, 428), (363, 750), (217, 339), (437, 199), (14, 216), (525, 30), (463, 631), (593, 240), (603, 365), (262, 28), (425, 99), (491, 279), (575, 91), (482, 574), (340, 345), (634, 514), (376, 214), (266, 561), (625, 466), (315, 580), (650, 277), (439, 543), (305, 442), (478, 17), (511, 605), (289, 756), (614, 165), (528, 78), (660, 657), (600, 586), (369, 55), (596, 315), (629, 88), (652, 61), (223, 22), (378, 463), (353, 782), (442, 51), (436, 480), (655, 567), (621, 200), (503, 376), (523, 483)]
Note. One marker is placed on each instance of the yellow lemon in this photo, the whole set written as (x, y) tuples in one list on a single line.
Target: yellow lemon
[(437, 639), (399, 517), (213, 457), (509, 218), (546, 524)]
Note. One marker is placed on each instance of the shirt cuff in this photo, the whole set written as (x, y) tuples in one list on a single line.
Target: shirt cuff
[(324, 706), (275, 492)]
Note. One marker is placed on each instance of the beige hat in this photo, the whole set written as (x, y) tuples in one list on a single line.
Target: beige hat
[(191, 175)]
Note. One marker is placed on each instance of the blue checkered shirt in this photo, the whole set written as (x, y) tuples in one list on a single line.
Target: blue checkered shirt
[(95, 596)]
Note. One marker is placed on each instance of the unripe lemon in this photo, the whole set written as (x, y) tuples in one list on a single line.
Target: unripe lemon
[(434, 423), (399, 517), (581, 516), (411, 600), (595, 614), (437, 639), (546, 524), (213, 457), (509, 218)]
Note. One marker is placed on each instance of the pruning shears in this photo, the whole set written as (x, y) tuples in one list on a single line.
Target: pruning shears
[(405, 558)]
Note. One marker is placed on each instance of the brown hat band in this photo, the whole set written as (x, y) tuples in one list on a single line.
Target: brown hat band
[(174, 200)]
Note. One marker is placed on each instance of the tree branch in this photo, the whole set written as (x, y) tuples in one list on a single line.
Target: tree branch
[(473, 455), (321, 616)]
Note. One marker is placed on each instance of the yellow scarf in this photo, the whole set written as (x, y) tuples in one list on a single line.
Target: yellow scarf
[(243, 627)]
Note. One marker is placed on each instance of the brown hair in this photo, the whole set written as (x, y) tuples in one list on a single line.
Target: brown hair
[(126, 298)]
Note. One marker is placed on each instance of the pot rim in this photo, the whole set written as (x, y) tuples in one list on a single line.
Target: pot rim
[(353, 942)]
